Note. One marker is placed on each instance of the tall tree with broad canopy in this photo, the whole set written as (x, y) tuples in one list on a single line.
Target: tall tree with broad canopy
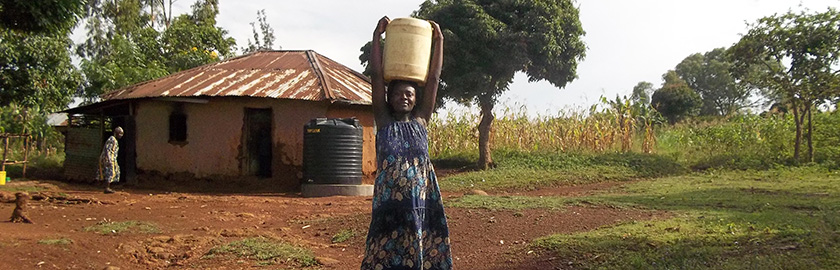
[(35, 67), (798, 56), (194, 39), (131, 41), (488, 41), (675, 100), (709, 74), (40, 17)]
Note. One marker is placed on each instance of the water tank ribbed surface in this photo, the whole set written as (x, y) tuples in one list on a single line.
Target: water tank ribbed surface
[(332, 151)]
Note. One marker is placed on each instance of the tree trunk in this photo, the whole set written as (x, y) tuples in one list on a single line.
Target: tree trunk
[(809, 135), (168, 16), (152, 13), (485, 161), (798, 139)]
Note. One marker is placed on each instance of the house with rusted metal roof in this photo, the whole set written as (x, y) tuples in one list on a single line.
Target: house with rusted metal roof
[(238, 118)]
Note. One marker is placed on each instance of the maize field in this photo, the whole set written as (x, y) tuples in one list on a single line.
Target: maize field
[(611, 129), (739, 141)]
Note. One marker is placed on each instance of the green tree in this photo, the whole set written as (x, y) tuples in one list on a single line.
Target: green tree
[(106, 19), (675, 100), (364, 57), (194, 40), (36, 72), (709, 74), (131, 41), (641, 93), (264, 39), (41, 17), (488, 41), (797, 56), (122, 48), (125, 65)]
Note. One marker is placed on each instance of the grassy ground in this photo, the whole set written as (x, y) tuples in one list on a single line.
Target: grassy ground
[(63, 241), (520, 170), (266, 251), (784, 218), (40, 166), (343, 236)]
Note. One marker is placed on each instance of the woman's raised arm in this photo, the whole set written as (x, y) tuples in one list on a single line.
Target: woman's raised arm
[(427, 106), (377, 79)]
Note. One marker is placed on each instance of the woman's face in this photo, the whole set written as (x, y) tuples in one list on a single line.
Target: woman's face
[(402, 97)]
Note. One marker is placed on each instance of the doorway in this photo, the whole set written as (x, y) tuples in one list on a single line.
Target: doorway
[(127, 155), (257, 141)]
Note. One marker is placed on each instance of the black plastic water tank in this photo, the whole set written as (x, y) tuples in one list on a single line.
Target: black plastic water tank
[(332, 151)]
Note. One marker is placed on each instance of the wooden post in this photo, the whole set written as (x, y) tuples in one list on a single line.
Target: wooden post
[(5, 152), (26, 142)]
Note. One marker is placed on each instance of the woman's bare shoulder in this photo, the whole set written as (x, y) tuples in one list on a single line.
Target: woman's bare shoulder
[(422, 121)]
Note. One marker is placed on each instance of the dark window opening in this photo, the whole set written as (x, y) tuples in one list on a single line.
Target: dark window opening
[(177, 127)]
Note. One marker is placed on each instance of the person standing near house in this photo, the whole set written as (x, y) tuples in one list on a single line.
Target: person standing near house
[(408, 228), (109, 170)]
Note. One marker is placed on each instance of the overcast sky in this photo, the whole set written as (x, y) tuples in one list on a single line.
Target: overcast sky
[(628, 40)]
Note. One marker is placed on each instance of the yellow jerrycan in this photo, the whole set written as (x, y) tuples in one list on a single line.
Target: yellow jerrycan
[(408, 48)]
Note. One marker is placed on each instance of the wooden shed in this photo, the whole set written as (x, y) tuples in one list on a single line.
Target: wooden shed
[(242, 117)]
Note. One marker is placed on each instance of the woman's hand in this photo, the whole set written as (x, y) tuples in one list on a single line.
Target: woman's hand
[(380, 27), (437, 35)]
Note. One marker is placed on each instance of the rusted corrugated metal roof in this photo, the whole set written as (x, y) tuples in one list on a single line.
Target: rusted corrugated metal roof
[(304, 75)]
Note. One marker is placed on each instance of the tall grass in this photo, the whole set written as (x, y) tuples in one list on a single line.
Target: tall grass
[(610, 144), (827, 139), (41, 164), (612, 129), (738, 142)]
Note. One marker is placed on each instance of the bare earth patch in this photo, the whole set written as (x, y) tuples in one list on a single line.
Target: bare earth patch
[(193, 223), (167, 251)]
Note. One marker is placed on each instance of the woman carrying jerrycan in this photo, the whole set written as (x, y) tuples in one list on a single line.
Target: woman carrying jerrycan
[(408, 228)]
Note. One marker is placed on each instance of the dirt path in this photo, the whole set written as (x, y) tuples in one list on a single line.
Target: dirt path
[(191, 224)]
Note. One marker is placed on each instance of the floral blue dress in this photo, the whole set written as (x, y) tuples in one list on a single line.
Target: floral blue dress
[(109, 170), (408, 227)]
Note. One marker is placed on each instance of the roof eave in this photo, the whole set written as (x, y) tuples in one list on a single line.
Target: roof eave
[(350, 102)]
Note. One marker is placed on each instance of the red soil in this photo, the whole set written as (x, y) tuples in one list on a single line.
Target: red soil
[(192, 223)]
